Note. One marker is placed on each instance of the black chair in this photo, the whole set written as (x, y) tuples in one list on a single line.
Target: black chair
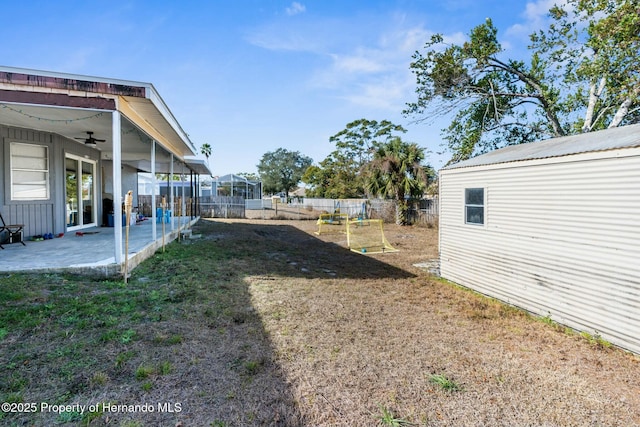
[(15, 231)]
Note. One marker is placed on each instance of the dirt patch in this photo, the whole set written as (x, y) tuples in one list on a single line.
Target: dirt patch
[(262, 322), (357, 345)]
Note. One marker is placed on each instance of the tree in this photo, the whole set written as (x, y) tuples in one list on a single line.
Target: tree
[(495, 101), (282, 170), (593, 45), (396, 171), (336, 177), (498, 101), (362, 137), (165, 177), (340, 174), (206, 150)]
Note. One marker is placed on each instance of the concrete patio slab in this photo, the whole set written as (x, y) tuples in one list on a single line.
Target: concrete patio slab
[(91, 253)]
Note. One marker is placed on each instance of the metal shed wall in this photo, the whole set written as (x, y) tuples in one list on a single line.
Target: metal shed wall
[(561, 238)]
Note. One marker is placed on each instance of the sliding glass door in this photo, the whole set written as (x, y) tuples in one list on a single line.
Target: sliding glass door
[(80, 192)]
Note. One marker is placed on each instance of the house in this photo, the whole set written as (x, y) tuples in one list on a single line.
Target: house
[(71, 147), (552, 227)]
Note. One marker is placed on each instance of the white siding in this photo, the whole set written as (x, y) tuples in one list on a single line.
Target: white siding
[(561, 237)]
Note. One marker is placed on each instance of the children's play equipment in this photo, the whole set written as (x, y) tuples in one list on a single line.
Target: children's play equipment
[(332, 223), (363, 235), (367, 236)]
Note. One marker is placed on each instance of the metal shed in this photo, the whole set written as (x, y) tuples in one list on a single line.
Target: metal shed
[(552, 227)]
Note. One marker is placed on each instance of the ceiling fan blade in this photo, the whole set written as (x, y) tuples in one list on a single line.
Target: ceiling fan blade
[(90, 140)]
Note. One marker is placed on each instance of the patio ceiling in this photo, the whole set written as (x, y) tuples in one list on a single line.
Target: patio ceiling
[(74, 123)]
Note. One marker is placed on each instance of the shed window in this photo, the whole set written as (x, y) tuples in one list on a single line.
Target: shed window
[(474, 206), (29, 172)]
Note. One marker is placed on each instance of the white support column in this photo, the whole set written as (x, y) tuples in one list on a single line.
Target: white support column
[(184, 200), (171, 201), (183, 204), (117, 186), (154, 233)]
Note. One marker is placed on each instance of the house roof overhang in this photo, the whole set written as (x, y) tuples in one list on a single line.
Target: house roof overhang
[(70, 105), (197, 165)]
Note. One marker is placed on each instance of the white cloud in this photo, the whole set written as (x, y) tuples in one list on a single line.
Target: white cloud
[(414, 39), (358, 62), (282, 41), (376, 76), (535, 18), (288, 39), (295, 9), (289, 35), (387, 93), (364, 65)]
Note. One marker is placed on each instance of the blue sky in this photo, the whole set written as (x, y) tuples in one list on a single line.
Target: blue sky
[(251, 76)]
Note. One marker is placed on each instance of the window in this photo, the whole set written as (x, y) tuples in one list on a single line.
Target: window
[(474, 206), (29, 172)]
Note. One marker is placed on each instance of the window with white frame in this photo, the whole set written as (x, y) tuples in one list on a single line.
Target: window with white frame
[(29, 171), (474, 206)]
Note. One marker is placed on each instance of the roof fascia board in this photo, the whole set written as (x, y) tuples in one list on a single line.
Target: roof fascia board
[(198, 165), (73, 76), (135, 118), (156, 99), (52, 99)]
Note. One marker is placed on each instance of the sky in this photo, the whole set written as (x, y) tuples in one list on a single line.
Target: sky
[(250, 76)]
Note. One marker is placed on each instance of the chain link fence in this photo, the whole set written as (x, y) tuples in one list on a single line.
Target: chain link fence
[(422, 212)]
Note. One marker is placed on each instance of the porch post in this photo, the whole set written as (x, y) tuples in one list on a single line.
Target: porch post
[(199, 190), (173, 213), (183, 204), (191, 192), (154, 233), (117, 186), (196, 204)]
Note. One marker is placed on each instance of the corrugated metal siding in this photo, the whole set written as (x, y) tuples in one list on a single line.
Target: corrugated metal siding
[(560, 238)]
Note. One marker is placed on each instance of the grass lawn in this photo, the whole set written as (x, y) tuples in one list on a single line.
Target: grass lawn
[(264, 323)]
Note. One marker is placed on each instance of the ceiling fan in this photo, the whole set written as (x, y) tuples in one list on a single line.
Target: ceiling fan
[(91, 140)]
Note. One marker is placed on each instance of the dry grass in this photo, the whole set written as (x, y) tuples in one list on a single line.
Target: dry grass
[(264, 323)]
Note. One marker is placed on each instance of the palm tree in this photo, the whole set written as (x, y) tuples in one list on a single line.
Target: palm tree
[(206, 150), (396, 171)]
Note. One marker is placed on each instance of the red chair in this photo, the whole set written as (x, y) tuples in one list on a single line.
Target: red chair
[(15, 232)]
